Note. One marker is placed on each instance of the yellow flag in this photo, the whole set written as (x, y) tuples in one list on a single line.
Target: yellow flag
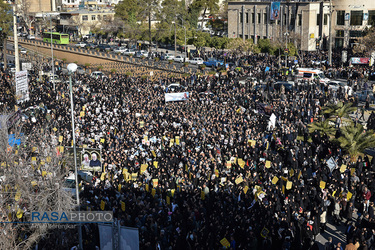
[(241, 162), (168, 200), (119, 187), (217, 172), (349, 195), (102, 176), (291, 172), (275, 180), (33, 159), (61, 149), (123, 206), (153, 153), (147, 188), (143, 168), (343, 168), (155, 182), (352, 171), (54, 129), (245, 189), (177, 138), (102, 140), (19, 213), (172, 192), (229, 164), (283, 189), (82, 113), (203, 195), (322, 184), (141, 124), (18, 196), (268, 164), (61, 138), (289, 185), (124, 170), (299, 174), (171, 142), (251, 143), (102, 205), (153, 192), (155, 164), (225, 243), (33, 183), (134, 176), (239, 180), (48, 159), (44, 173)]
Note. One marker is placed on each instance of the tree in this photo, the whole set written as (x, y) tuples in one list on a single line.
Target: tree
[(354, 140), (323, 127), (211, 5), (32, 180), (369, 40), (5, 24), (240, 45), (23, 13), (340, 109)]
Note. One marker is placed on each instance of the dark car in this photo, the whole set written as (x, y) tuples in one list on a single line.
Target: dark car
[(287, 85), (91, 46), (362, 95), (104, 47)]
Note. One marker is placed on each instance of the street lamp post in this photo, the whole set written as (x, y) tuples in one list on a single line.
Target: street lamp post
[(15, 31), (53, 65), (72, 67), (330, 34)]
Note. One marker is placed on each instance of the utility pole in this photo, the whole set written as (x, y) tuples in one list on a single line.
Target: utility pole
[(15, 30), (175, 42), (53, 65), (243, 23), (330, 34), (149, 31)]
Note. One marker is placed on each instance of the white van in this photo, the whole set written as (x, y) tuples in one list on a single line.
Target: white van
[(311, 74)]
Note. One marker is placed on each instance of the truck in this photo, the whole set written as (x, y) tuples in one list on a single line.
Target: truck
[(311, 74)]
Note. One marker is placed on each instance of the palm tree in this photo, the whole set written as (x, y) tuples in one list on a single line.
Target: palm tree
[(354, 140), (340, 109), (323, 127)]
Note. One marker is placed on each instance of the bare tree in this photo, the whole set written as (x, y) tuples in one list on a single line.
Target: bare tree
[(23, 11), (32, 175)]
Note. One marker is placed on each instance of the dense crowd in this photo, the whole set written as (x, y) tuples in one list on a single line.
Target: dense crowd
[(216, 166)]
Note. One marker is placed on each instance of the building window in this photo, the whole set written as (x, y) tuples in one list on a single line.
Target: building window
[(318, 19), (259, 18), (356, 17), (339, 42), (299, 19), (325, 19), (371, 17), (85, 18), (252, 17), (93, 17), (247, 17), (284, 19), (340, 33), (355, 33), (241, 17), (265, 17), (340, 18)]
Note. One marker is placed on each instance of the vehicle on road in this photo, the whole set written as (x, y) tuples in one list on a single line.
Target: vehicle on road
[(23, 51), (213, 62), (119, 50), (31, 37), (168, 56), (97, 74), (57, 38), (80, 44), (179, 59), (196, 61), (104, 47), (91, 46), (129, 52), (311, 74), (335, 85)]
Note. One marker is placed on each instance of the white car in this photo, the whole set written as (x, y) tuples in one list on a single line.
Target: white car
[(120, 50), (80, 44), (179, 59), (31, 37), (23, 51), (169, 56), (97, 74), (129, 52), (196, 60)]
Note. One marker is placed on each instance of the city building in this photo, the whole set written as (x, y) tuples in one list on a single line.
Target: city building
[(307, 22)]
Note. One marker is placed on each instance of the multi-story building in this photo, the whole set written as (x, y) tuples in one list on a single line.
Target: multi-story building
[(309, 22)]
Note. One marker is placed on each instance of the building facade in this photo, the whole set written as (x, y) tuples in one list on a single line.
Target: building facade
[(308, 22)]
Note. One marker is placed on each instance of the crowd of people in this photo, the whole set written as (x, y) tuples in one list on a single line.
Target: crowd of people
[(215, 166)]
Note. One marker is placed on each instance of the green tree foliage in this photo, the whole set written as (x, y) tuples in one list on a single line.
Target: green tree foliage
[(239, 45), (219, 42), (323, 127), (127, 10), (205, 5), (340, 109), (5, 25), (355, 140)]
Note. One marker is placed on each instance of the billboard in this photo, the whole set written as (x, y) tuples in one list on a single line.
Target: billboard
[(275, 11), (89, 159), (359, 60), (172, 97), (22, 86)]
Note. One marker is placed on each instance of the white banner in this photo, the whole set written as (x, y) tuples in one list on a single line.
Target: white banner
[(172, 97), (22, 86), (105, 234), (27, 66), (129, 238)]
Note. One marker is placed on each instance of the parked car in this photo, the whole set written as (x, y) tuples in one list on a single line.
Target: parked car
[(362, 95), (97, 74), (31, 37), (335, 85), (213, 62), (23, 51), (119, 50), (196, 60), (91, 46), (168, 56), (80, 44), (129, 52), (179, 59), (104, 47)]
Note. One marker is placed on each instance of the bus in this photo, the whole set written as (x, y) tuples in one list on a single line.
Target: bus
[(57, 38)]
